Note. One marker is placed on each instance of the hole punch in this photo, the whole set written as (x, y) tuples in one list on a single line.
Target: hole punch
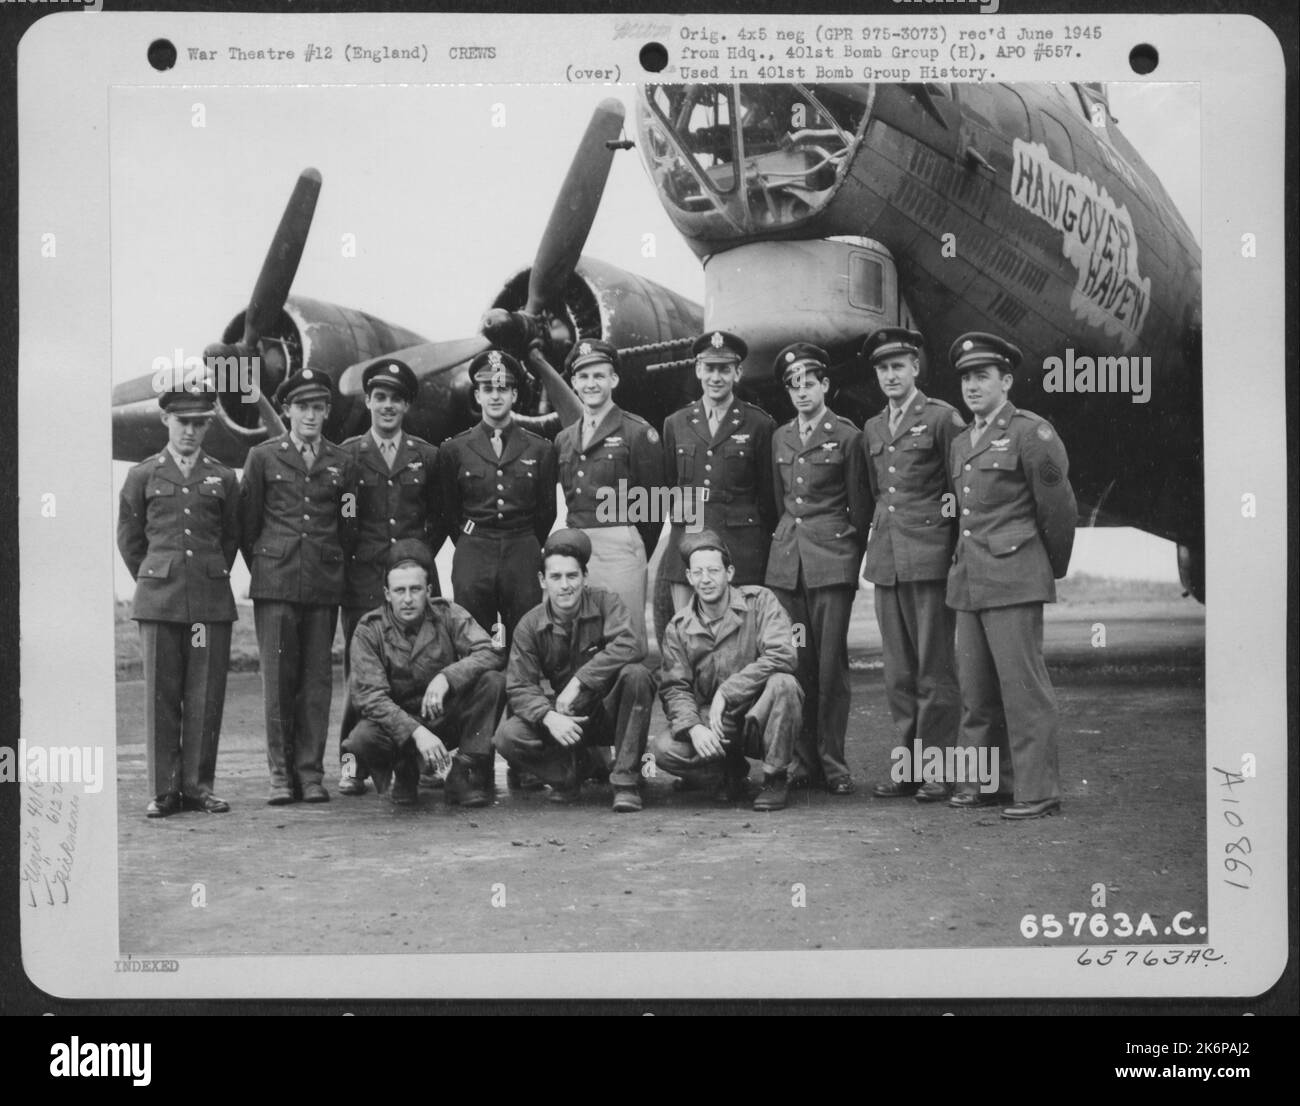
[(1143, 58), (654, 57), (162, 54)]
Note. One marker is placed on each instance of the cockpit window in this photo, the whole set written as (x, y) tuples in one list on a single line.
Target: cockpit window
[(751, 156)]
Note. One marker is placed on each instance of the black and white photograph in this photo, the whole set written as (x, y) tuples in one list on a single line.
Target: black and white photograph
[(754, 505)]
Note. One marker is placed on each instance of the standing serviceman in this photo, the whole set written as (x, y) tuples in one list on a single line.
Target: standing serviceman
[(909, 552), (498, 490), (816, 550), (397, 498), (298, 512), (718, 451), (1015, 533), (611, 469), (178, 532)]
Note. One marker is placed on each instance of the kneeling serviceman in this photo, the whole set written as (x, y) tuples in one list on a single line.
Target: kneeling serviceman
[(425, 678), (728, 684), (582, 642)]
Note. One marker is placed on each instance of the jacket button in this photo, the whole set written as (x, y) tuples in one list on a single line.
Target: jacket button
[(891, 468), (798, 521), (187, 532), (186, 490), (581, 473), (965, 510), (965, 533), (189, 552), (891, 491), (968, 468), (187, 510), (798, 500)]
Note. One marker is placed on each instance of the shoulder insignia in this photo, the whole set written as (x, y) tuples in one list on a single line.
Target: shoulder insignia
[(1044, 431), (654, 437)]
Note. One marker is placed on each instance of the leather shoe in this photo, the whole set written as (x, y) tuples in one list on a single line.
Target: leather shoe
[(895, 790), (209, 804), (841, 787), (1035, 809), (774, 793), (163, 805), (279, 796), (522, 781), (314, 793), (933, 792), (627, 800), (968, 800)]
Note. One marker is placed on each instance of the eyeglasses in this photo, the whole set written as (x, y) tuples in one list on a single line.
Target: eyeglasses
[(711, 573)]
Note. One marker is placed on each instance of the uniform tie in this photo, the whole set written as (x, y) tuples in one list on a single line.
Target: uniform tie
[(978, 431), (588, 432), (498, 446), (805, 430), (895, 419), (715, 419), (389, 450), (308, 453), (186, 465)]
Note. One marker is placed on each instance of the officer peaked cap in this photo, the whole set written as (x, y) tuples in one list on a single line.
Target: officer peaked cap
[(976, 350)]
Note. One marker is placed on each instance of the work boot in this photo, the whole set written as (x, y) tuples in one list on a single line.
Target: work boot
[(774, 792), (350, 782), (464, 785)]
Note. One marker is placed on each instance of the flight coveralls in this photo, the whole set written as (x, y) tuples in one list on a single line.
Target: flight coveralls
[(600, 648), (749, 656), (1017, 515), (179, 535), (813, 569), (297, 530), (404, 502), (726, 482), (498, 511), (909, 552), (392, 669), (612, 488)]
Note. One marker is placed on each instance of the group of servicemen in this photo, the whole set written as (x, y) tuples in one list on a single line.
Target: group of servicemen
[(965, 528)]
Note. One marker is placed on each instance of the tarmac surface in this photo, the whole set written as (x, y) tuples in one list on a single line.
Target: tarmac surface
[(687, 873)]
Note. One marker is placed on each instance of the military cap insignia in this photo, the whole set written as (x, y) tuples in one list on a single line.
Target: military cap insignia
[(1044, 431), (494, 358), (789, 357), (717, 341), (584, 348), (967, 345)]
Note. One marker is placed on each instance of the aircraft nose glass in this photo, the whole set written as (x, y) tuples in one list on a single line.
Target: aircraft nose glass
[(792, 143)]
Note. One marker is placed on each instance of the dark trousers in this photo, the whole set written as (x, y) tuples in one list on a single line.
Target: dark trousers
[(621, 719), (1007, 699), (185, 669), (916, 629), (294, 640), (494, 577), (351, 616), (466, 723), (823, 614), (764, 728)]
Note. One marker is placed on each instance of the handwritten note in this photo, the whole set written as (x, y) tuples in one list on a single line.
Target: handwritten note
[(49, 844)]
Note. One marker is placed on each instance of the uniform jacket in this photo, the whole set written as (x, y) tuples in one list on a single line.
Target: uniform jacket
[(727, 481), (911, 537), (295, 531), (391, 672), (1016, 513), (404, 503), (825, 503), (178, 537), (595, 648), (513, 492), (753, 642), (626, 448)]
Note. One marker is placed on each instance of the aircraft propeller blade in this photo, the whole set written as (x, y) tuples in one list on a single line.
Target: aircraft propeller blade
[(575, 208), (430, 357), (276, 277)]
